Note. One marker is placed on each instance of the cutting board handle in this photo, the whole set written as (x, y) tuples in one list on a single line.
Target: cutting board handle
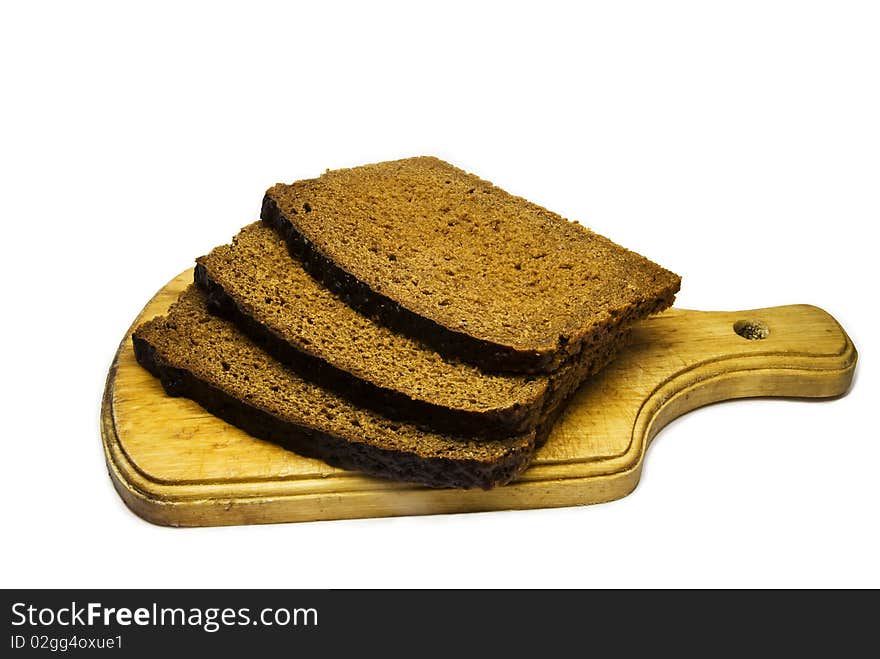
[(795, 351)]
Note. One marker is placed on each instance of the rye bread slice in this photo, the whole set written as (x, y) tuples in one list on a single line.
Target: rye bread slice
[(454, 261), (300, 322), (201, 356)]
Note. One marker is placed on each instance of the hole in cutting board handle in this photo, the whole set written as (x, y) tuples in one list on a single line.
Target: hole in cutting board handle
[(753, 330)]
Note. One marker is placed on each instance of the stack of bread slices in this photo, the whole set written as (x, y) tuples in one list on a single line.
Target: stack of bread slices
[(404, 319)]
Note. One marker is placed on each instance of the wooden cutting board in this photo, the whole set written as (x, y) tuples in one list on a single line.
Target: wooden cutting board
[(175, 464)]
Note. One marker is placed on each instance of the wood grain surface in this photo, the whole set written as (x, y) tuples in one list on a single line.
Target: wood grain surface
[(175, 464)]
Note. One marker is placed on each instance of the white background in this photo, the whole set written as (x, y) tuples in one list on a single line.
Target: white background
[(735, 143)]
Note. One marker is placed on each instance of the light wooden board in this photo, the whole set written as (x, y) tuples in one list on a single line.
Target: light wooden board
[(175, 464)]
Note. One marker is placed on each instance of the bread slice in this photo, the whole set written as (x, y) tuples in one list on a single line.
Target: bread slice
[(201, 356), (452, 260), (272, 298)]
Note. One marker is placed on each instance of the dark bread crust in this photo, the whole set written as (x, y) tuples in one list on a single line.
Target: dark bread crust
[(438, 472), (599, 287), (516, 418)]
